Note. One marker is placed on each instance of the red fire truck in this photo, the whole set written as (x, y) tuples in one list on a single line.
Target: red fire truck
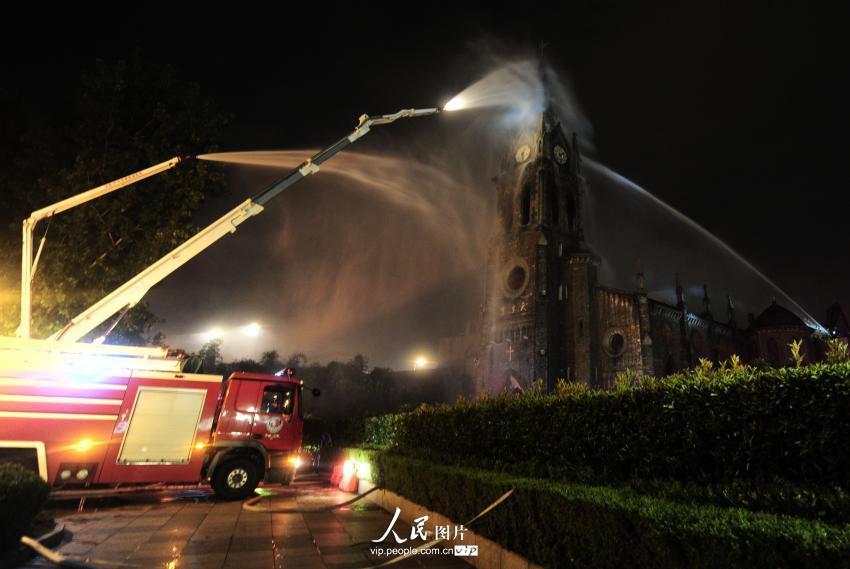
[(93, 414), (84, 415)]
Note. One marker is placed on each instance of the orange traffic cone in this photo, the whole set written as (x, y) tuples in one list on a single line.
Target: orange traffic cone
[(349, 481)]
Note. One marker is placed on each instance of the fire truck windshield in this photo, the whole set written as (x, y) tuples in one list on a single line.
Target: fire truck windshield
[(277, 399)]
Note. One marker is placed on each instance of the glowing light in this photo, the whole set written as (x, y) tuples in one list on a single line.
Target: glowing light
[(84, 445), (200, 446), (364, 470), (420, 362), (348, 468), (455, 104), (214, 334), (295, 461), (252, 329)]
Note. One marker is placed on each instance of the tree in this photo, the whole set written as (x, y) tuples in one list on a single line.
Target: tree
[(270, 361), (296, 360), (124, 117), (208, 359)]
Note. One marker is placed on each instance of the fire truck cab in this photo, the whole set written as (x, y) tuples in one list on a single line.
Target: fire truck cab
[(256, 432)]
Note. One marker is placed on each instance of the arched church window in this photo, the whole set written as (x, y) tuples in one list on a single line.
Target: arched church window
[(698, 344), (525, 205), (773, 351), (724, 348), (556, 210), (667, 334), (669, 365)]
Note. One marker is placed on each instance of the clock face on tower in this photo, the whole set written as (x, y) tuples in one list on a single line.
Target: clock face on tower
[(522, 153), (560, 154)]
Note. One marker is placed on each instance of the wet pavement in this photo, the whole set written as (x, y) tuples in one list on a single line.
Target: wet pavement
[(180, 529)]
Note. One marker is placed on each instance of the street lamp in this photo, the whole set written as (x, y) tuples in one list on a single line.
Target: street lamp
[(252, 329), (214, 334), (419, 362)]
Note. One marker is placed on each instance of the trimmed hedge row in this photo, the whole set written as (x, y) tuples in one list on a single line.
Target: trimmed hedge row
[(562, 525), (828, 503), (791, 424), (22, 495)]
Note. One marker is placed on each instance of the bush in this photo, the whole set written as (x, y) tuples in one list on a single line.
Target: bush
[(571, 525), (22, 495), (708, 426)]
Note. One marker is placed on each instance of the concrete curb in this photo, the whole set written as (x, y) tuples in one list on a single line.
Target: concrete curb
[(491, 555)]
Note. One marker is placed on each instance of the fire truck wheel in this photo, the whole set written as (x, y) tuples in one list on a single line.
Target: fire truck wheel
[(235, 479)]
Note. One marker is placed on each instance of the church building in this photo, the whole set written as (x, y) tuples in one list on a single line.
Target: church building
[(545, 314)]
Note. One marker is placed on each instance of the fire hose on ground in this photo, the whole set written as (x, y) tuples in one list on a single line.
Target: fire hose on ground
[(61, 560), (251, 505)]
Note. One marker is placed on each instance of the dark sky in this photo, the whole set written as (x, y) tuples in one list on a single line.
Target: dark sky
[(735, 113)]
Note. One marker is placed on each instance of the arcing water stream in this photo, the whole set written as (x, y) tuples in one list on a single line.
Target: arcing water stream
[(520, 88), (369, 245)]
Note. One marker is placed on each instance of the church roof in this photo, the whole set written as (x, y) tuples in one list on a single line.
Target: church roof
[(776, 316)]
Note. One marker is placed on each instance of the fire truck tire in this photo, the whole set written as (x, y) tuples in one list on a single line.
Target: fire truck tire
[(235, 479)]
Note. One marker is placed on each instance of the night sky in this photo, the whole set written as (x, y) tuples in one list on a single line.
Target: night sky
[(736, 114)]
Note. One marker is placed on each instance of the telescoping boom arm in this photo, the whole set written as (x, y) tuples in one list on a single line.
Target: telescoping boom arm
[(29, 265), (132, 291)]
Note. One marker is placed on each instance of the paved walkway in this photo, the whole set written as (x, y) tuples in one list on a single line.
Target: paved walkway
[(192, 529)]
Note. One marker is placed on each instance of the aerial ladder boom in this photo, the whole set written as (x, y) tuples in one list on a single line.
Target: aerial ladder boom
[(132, 291), (29, 265)]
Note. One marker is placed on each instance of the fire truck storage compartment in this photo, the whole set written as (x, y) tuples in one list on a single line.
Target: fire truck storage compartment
[(163, 426), (29, 454)]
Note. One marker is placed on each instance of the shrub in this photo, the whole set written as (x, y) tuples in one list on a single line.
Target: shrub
[(836, 350), (797, 355), (570, 525), (22, 495), (708, 425)]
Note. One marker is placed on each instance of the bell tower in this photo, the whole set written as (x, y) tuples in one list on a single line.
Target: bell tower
[(538, 312)]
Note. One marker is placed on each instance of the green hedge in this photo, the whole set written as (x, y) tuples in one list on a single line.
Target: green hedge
[(829, 503), (22, 495), (704, 426), (562, 525)]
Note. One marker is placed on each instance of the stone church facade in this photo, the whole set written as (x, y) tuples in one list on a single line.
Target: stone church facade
[(546, 316)]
